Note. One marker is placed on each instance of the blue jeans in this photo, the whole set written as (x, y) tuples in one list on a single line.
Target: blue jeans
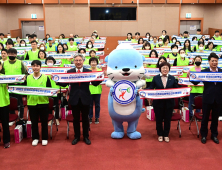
[(191, 101), (95, 98)]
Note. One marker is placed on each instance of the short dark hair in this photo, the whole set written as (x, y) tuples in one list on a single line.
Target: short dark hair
[(185, 32), (4, 50), (164, 31), (43, 52), (174, 45), (137, 33), (50, 58), (71, 39), (178, 41), (200, 42), (30, 36), (12, 51), (9, 42), (93, 59), (34, 41), (2, 34), (198, 56), (198, 30), (34, 35), (37, 62), (164, 64), (165, 39), (92, 51), (212, 55), (27, 34), (216, 31), (81, 50), (182, 49)]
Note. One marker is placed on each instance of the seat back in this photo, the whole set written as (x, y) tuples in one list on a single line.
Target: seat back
[(13, 104), (69, 107), (51, 104), (197, 102), (176, 101)]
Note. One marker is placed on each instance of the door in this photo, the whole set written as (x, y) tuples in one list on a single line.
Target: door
[(190, 26), (33, 27)]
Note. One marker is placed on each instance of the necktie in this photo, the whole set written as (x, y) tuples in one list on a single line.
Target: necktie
[(79, 72), (164, 81)]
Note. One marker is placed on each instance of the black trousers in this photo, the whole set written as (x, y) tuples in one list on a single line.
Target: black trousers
[(76, 110), (214, 123), (36, 112), (20, 103), (166, 114), (56, 104), (4, 117)]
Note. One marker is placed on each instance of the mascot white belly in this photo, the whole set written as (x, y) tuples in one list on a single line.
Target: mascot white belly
[(124, 109)]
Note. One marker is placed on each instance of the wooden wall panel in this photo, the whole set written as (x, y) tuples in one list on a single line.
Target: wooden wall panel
[(51, 1), (2, 1), (16, 1), (173, 1), (97, 1), (66, 1), (113, 1), (81, 1), (218, 1), (206, 1), (145, 1), (129, 1), (16, 33), (34, 1), (159, 1), (189, 1)]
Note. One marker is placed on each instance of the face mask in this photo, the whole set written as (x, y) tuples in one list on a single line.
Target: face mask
[(151, 39), (182, 55), (83, 55), (174, 41), (49, 64), (201, 48), (174, 50), (90, 46), (95, 34), (42, 48), (197, 63), (22, 45), (27, 37), (11, 57), (160, 42), (147, 36), (147, 48), (65, 48), (163, 35), (9, 36)]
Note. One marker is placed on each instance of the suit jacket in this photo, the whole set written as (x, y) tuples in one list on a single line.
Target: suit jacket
[(79, 92), (211, 91), (157, 84)]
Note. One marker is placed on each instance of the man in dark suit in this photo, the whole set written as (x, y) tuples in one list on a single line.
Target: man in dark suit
[(212, 101), (80, 99)]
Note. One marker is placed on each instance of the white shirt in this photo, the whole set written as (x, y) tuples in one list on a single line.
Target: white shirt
[(81, 69)]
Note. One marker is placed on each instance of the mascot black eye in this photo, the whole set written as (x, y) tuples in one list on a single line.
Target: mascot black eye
[(116, 67), (135, 66)]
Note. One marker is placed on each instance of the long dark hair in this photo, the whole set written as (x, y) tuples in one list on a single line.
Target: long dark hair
[(189, 47), (154, 52), (63, 51), (162, 57)]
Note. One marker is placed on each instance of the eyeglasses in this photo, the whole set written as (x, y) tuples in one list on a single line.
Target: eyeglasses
[(78, 60)]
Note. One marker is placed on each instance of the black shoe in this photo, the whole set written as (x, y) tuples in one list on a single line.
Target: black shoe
[(75, 141), (204, 140), (97, 121), (87, 141), (215, 139), (90, 120)]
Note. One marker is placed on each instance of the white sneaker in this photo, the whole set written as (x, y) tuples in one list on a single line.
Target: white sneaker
[(11, 123), (44, 142), (50, 122), (35, 142), (57, 121)]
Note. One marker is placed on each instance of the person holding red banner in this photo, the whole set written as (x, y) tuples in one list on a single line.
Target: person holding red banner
[(163, 108)]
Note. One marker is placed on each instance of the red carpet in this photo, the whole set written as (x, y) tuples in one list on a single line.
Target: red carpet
[(107, 153)]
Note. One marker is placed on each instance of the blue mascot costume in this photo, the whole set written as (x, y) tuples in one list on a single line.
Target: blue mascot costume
[(125, 63)]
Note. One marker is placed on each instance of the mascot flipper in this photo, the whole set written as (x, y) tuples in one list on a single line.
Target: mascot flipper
[(125, 63)]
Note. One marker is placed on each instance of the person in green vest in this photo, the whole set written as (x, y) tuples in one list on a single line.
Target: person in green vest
[(194, 38), (196, 47), (17, 44), (42, 55), (195, 90), (160, 43), (65, 46), (181, 60), (164, 32), (33, 53), (13, 66), (22, 43), (140, 41), (60, 50), (137, 36), (146, 46), (83, 52), (173, 40), (217, 35), (38, 105), (9, 44), (198, 32), (71, 45), (201, 47), (30, 38), (50, 62), (178, 43), (95, 92), (129, 36), (50, 46), (210, 47), (186, 34), (4, 112), (2, 40), (89, 46), (166, 41), (4, 55), (154, 41), (42, 47), (95, 33), (92, 53), (147, 36), (187, 46), (174, 54)]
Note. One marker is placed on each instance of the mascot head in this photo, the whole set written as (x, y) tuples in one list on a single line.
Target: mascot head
[(125, 63)]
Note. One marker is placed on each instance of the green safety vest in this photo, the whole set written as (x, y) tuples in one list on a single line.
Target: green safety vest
[(41, 82), (184, 62), (217, 38), (73, 48), (13, 69), (158, 45), (53, 48), (4, 96), (64, 61), (3, 41), (219, 47), (171, 56), (187, 51), (196, 89), (197, 47), (128, 40), (74, 43), (86, 61), (211, 50), (134, 41), (32, 55), (95, 89)]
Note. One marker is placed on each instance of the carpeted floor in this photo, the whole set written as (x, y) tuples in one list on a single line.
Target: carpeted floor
[(106, 153)]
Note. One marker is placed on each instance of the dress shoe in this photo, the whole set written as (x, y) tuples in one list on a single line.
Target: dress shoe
[(215, 139), (75, 141), (204, 140), (87, 141)]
